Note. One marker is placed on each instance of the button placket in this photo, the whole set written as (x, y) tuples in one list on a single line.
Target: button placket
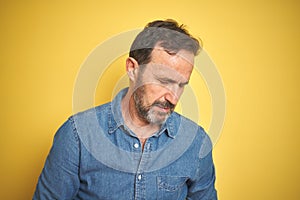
[(140, 176)]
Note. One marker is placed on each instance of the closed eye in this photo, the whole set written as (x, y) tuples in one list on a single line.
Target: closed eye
[(172, 53), (166, 81), (171, 81), (183, 84)]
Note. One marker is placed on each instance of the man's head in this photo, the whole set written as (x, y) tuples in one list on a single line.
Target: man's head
[(160, 64), (169, 34)]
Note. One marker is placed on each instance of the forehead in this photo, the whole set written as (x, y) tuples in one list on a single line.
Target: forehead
[(170, 64)]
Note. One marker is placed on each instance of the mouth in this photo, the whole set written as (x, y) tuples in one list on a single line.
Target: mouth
[(165, 107)]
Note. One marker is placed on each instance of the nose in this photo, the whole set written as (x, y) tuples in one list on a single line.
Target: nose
[(173, 94)]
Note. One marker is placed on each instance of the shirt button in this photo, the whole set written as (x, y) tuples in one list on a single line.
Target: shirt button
[(139, 177), (136, 145)]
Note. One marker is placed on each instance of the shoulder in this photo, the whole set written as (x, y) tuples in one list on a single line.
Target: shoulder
[(97, 110), (70, 126), (89, 118)]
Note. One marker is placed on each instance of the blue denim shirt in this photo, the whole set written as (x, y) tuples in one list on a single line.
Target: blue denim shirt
[(95, 156)]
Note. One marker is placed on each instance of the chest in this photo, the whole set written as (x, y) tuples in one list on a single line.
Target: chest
[(113, 182)]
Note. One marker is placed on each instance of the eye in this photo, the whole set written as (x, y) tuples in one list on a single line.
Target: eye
[(163, 81), (166, 81), (181, 85), (170, 52)]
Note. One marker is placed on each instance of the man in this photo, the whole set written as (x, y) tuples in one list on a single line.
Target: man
[(136, 147)]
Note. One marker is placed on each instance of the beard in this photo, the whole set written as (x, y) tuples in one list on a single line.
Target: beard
[(148, 113)]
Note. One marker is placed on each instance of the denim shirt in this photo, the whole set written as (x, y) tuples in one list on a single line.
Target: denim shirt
[(95, 156)]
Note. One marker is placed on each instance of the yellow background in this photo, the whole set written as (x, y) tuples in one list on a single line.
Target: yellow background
[(255, 45)]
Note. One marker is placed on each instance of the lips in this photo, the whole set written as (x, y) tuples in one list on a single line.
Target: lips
[(166, 109), (166, 106)]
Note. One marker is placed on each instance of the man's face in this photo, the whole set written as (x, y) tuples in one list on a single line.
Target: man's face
[(161, 83)]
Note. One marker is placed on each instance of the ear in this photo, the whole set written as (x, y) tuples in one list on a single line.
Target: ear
[(132, 68)]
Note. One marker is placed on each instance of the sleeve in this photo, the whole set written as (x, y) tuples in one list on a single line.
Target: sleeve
[(59, 178), (203, 185)]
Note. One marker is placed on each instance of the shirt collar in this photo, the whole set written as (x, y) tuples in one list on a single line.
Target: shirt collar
[(115, 119)]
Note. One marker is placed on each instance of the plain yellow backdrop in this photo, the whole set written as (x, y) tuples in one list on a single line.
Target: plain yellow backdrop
[(254, 44)]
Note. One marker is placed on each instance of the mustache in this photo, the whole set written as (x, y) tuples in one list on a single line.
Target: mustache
[(165, 104)]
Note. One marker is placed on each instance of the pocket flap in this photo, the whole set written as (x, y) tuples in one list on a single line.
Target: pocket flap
[(171, 183)]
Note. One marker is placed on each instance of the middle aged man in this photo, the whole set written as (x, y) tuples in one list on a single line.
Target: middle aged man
[(136, 147)]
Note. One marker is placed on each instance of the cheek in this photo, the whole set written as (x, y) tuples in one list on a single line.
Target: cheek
[(154, 93)]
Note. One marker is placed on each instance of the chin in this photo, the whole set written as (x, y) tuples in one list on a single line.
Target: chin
[(157, 120)]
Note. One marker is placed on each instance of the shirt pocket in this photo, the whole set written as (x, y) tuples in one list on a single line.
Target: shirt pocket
[(171, 187)]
